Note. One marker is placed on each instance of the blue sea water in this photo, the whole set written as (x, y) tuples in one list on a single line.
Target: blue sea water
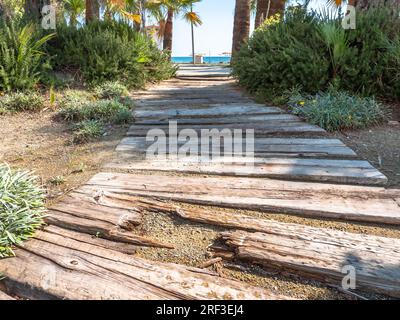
[(212, 60)]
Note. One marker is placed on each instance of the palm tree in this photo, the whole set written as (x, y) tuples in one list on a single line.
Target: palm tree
[(194, 19), (75, 9), (241, 27)]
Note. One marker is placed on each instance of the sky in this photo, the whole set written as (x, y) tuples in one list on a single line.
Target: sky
[(215, 35)]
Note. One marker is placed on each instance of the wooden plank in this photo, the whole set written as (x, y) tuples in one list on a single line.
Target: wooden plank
[(155, 96), (210, 111), (355, 203), (185, 102), (338, 171), (262, 146), (222, 120), (95, 214), (126, 248), (51, 266), (322, 254), (259, 129), (4, 296)]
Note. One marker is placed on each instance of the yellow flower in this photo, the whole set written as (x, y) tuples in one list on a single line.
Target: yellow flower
[(302, 103)]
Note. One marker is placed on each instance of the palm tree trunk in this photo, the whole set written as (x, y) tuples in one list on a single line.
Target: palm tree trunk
[(241, 27), (168, 31), (276, 6), (33, 9), (92, 11), (262, 12)]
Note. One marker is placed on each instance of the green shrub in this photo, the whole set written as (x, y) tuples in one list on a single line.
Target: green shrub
[(106, 50), (101, 110), (74, 98), (284, 54), (313, 51), (21, 60), (87, 130), (21, 208), (111, 90), (22, 101), (338, 110)]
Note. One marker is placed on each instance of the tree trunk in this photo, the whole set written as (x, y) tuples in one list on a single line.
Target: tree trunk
[(394, 5), (276, 6), (92, 10), (241, 27), (262, 12), (33, 9), (168, 31)]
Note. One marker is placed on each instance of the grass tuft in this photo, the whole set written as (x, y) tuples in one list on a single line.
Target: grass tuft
[(111, 90), (21, 208), (87, 130), (21, 101), (338, 110)]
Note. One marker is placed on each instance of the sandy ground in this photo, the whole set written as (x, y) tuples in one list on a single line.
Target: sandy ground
[(35, 141), (380, 146)]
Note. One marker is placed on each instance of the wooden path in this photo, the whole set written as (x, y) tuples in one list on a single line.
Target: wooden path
[(88, 249)]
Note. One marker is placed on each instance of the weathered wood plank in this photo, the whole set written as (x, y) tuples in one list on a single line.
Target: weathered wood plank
[(357, 203), (262, 146), (54, 267), (126, 248), (155, 96), (338, 171), (94, 214), (222, 120), (287, 127), (4, 296), (322, 254), (237, 109), (186, 102)]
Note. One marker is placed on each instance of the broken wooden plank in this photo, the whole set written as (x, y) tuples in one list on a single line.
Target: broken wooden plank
[(211, 111), (316, 253), (126, 248), (356, 203), (338, 171), (322, 254), (96, 215), (54, 267)]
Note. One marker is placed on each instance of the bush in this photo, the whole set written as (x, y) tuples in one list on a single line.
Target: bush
[(313, 51), (111, 90), (337, 110), (74, 99), (27, 101), (101, 110), (21, 59), (87, 130), (21, 208), (283, 54), (106, 50)]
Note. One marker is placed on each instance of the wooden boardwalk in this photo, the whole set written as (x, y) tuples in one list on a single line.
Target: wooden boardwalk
[(88, 249)]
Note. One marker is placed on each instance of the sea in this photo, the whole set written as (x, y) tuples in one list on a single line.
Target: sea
[(210, 60)]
